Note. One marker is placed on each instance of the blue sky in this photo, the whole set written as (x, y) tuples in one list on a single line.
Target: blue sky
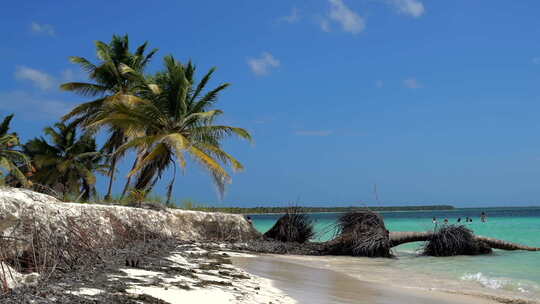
[(433, 101)]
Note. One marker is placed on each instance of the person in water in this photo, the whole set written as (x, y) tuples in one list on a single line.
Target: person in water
[(483, 217), (446, 221), (459, 220), (434, 221)]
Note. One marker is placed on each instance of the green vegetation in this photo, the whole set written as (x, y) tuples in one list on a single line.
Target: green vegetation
[(173, 119), (11, 160), (110, 84), (261, 210), (163, 117), (68, 163)]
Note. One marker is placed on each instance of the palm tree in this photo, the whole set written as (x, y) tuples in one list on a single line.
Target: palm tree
[(174, 118), (110, 82), (67, 164), (11, 160)]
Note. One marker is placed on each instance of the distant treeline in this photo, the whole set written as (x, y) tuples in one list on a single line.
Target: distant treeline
[(259, 210)]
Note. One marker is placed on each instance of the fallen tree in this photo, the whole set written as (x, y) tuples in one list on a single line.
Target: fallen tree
[(401, 237), (360, 233), (363, 233), (454, 240), (294, 226)]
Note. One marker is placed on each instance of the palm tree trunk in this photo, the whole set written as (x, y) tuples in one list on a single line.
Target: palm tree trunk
[(111, 174), (402, 237), (80, 195), (170, 188), (504, 245), (126, 186), (128, 182)]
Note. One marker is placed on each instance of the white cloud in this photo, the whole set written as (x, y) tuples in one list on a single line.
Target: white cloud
[(350, 21), (69, 75), (45, 29), (40, 79), (313, 133), (33, 106), (413, 8), (412, 83), (379, 84), (325, 25), (536, 60), (261, 66), (292, 18)]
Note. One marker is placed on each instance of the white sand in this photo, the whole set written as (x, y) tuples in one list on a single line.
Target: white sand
[(175, 295), (227, 284)]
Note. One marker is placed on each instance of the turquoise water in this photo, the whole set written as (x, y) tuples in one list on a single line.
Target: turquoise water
[(513, 271)]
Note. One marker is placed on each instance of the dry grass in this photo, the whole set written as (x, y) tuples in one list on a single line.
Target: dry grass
[(65, 246)]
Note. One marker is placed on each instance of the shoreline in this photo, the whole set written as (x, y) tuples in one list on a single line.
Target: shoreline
[(348, 288), (211, 272)]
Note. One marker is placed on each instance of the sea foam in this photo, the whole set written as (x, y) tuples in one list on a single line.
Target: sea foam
[(501, 283)]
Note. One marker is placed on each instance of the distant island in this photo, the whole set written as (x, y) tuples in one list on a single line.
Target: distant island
[(262, 210)]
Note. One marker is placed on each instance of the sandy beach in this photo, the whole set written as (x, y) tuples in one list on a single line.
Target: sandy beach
[(210, 273), (318, 285)]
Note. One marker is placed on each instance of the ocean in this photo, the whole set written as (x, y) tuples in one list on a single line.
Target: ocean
[(503, 273)]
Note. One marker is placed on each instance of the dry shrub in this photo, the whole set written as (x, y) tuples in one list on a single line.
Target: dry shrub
[(73, 243), (294, 226), (218, 231), (360, 233), (136, 230), (454, 240), (45, 250)]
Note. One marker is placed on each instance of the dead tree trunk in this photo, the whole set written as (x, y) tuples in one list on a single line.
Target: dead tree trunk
[(504, 245), (402, 237)]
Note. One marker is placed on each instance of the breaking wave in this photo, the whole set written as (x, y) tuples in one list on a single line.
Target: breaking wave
[(502, 283)]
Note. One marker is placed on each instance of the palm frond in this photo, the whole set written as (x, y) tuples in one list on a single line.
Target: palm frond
[(209, 162), (223, 156), (4, 126), (209, 98), (160, 150), (84, 89), (86, 65), (223, 131), (202, 84)]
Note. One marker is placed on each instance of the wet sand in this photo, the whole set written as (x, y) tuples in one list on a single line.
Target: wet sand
[(320, 286)]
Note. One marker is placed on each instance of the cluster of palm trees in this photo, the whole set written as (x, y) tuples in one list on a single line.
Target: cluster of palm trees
[(166, 118)]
